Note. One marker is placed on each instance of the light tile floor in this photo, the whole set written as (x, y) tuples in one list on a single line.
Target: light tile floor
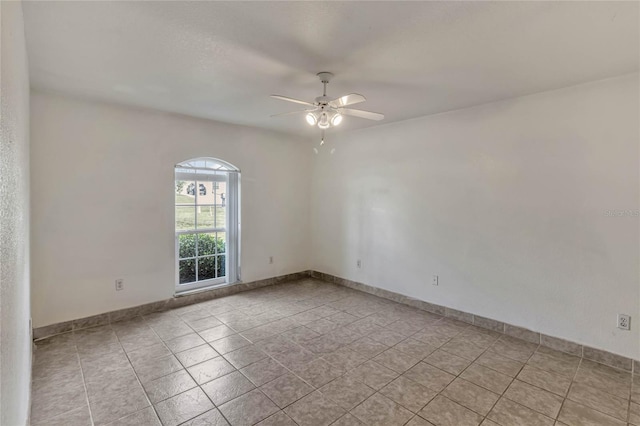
[(311, 353)]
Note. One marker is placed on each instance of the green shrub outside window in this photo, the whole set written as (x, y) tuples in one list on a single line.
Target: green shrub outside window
[(209, 266)]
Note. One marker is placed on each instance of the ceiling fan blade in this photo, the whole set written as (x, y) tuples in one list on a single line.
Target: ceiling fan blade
[(289, 113), (297, 101), (350, 99), (362, 114)]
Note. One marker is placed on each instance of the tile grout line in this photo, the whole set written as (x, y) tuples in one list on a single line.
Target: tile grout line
[(630, 395), (376, 391), (572, 382), (484, 417), (524, 364), (569, 390), (30, 419), (258, 387), (513, 379), (597, 388), (216, 407), (603, 391), (208, 343), (319, 357), (198, 385), (136, 374), (441, 347), (438, 393), (84, 382)]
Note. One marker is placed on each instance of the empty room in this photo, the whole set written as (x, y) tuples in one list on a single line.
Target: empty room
[(320, 213)]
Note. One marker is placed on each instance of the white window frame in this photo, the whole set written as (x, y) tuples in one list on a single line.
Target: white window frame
[(213, 170)]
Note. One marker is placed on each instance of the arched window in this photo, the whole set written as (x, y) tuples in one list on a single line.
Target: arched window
[(206, 223)]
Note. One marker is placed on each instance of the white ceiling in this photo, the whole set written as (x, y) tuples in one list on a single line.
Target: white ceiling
[(222, 60)]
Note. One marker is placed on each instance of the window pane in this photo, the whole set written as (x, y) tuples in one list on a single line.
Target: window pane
[(185, 192), (206, 268), (222, 242), (221, 216), (207, 244), (221, 193), (186, 246), (206, 192), (206, 217), (185, 217), (187, 271), (220, 202), (221, 266)]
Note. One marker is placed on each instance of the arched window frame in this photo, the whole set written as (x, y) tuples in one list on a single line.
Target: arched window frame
[(205, 169)]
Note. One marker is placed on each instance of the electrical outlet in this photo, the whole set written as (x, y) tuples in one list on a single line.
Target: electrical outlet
[(359, 264), (624, 322), (434, 280), (119, 284), (270, 259)]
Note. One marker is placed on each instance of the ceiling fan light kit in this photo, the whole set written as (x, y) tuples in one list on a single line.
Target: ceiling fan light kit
[(326, 112), (324, 119), (311, 119)]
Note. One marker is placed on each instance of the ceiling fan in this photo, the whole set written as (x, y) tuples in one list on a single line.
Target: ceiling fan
[(325, 112)]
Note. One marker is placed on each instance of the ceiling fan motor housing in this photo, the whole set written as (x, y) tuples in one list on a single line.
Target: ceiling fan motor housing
[(325, 76), (322, 100)]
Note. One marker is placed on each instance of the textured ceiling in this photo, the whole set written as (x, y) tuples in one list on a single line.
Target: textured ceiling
[(222, 60)]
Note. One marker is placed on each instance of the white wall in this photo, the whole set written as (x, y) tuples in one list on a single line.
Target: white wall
[(15, 334), (103, 195), (505, 202)]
